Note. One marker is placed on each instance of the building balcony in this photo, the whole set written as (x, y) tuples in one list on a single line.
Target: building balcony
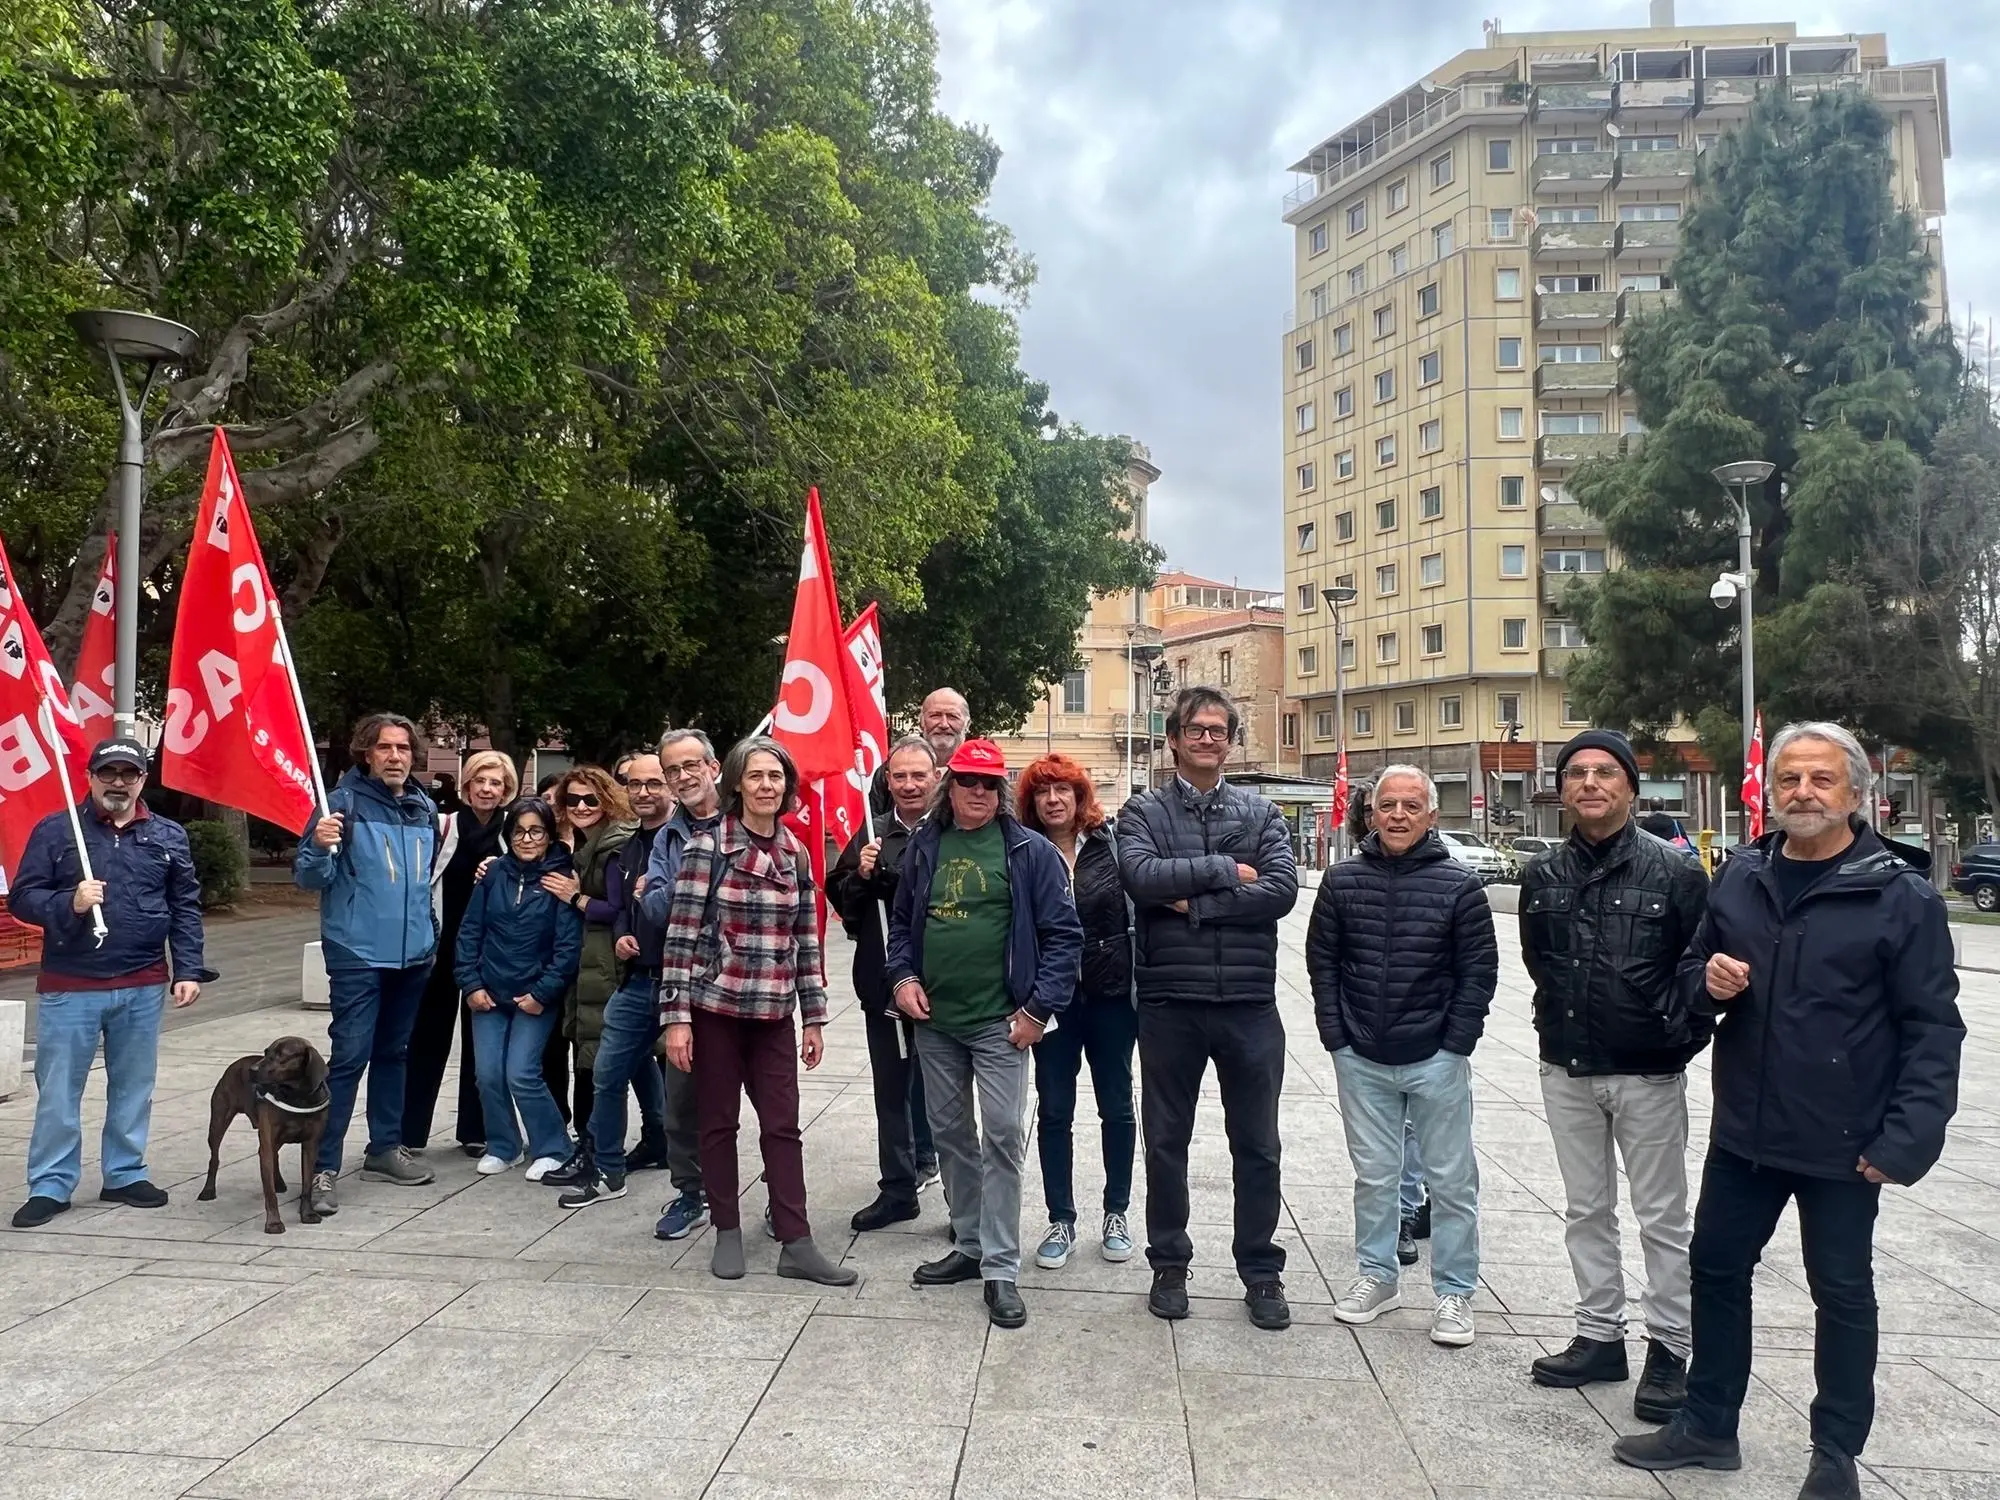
[(1637, 304), (1575, 309), (1590, 378), (1573, 172), (1729, 96), (1564, 450), (1574, 101), (1556, 585), (1556, 660), (1573, 241), (1648, 239), (1657, 169), (1567, 518), (1804, 86), (1656, 96)]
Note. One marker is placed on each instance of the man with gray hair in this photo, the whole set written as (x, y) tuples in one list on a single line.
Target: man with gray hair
[(1828, 957), (1403, 962)]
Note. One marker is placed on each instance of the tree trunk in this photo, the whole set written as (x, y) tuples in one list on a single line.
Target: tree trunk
[(496, 688)]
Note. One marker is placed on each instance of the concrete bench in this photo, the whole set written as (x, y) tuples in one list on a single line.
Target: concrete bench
[(13, 1042)]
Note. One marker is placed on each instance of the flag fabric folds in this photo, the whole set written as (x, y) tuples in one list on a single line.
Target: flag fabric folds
[(97, 663), (1753, 783), (41, 741)]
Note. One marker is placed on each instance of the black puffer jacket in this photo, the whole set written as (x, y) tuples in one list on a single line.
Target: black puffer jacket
[(1177, 844), (1602, 930), (1846, 1044), (1401, 954), (1106, 917), (864, 904)]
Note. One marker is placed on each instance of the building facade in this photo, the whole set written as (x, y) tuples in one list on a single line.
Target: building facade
[(1466, 257)]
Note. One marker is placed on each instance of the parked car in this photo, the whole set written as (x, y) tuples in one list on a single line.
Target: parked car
[(1525, 847), (1977, 875), (1478, 856)]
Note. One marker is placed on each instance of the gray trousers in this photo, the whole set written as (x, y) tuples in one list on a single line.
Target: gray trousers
[(683, 1131), (1645, 1119), (979, 1158)]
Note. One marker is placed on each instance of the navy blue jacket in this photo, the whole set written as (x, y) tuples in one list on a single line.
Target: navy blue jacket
[(1044, 938), (516, 938), (1846, 1043), (375, 888), (152, 901)]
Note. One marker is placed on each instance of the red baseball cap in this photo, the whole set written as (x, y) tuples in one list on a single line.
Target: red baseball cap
[(978, 758)]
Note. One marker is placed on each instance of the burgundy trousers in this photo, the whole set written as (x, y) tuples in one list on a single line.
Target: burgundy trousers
[(760, 1058)]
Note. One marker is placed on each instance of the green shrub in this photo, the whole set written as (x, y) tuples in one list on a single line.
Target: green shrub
[(219, 862)]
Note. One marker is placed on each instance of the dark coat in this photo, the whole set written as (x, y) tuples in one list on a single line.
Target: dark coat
[(1106, 913), (633, 920), (1602, 931), (517, 939), (1175, 844), (864, 905), (1846, 1043), (1401, 954)]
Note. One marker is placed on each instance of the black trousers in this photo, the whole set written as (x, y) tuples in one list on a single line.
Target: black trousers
[(1246, 1041), (440, 1014), (1738, 1211), (1103, 1032), (902, 1129)]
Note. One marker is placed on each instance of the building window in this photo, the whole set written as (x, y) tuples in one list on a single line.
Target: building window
[(1288, 731), (1451, 712), (1430, 569), (1573, 560), (1500, 154), (1307, 476), (1582, 213), (1397, 195), (1316, 299), (1507, 355), (1582, 282), (1308, 536), (1343, 339), (1385, 514), (1226, 667), (1507, 708), (1565, 145), (1343, 401), (1648, 213), (1343, 526), (1399, 260), (1645, 281), (1344, 581), (1385, 321), (1513, 562), (1308, 598), (1428, 300), (1385, 451), (1357, 216), (1513, 492), (1629, 422), (1347, 653), (1430, 436), (1513, 635), (1308, 661), (1433, 640), (1323, 724), (1571, 423), (1304, 417), (1441, 170), (1343, 464), (1507, 284), (1364, 722), (1630, 143), (1430, 503), (1386, 649), (1316, 239), (1074, 697), (1302, 354), (1572, 712), (1406, 716), (1357, 280), (1181, 672), (1510, 422), (1570, 354), (1562, 634), (1444, 240), (1385, 385), (1430, 367), (1385, 579), (1500, 223)]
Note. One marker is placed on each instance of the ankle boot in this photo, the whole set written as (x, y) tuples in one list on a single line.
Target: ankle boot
[(802, 1260), (727, 1261)]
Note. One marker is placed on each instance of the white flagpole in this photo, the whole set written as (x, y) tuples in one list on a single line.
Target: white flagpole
[(48, 722), (305, 724)]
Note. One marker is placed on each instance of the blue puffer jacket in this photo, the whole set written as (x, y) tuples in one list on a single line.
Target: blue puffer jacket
[(152, 901), (516, 938), (375, 888)]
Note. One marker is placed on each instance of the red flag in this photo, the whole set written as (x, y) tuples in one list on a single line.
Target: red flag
[(30, 784), (846, 799), (811, 718), (236, 731), (1753, 783), (97, 662), (808, 823), (1340, 790)]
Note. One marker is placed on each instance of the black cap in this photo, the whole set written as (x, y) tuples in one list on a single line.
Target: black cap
[(118, 751), (1611, 742)]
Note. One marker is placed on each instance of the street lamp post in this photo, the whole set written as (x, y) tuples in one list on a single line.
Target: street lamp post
[(156, 343), (1335, 597), (1737, 481)]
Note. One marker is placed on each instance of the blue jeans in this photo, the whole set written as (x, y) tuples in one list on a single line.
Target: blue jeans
[(68, 1025), (507, 1046), (625, 1055), (1435, 1096), (1412, 1193), (374, 1011), (1104, 1032)]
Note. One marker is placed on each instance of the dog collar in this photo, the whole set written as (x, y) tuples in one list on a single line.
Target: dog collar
[(326, 1094)]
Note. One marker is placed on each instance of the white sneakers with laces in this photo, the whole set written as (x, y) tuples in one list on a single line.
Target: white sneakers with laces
[(1451, 1324), (1366, 1299)]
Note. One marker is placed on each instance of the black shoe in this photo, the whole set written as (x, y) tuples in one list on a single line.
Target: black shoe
[(650, 1155), (954, 1267), (1420, 1226), (141, 1194), (883, 1212), (37, 1211), (1675, 1447), (1168, 1298), (1584, 1362), (1267, 1304), (1663, 1386), (1831, 1476), (1406, 1243), (597, 1190), (1004, 1306), (473, 1149), (578, 1170)]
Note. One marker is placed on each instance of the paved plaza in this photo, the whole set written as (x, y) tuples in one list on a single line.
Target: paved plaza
[(471, 1339)]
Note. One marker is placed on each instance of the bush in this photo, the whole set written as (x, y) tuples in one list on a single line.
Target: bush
[(219, 862)]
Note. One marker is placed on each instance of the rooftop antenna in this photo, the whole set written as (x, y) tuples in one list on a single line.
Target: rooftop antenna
[(1492, 30)]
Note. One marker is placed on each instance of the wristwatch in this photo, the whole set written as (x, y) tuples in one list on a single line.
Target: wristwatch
[(578, 900)]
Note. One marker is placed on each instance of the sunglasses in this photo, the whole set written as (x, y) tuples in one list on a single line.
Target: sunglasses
[(581, 799), (119, 775), (982, 783)]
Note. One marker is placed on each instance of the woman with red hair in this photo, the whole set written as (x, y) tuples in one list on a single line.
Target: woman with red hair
[(1057, 800)]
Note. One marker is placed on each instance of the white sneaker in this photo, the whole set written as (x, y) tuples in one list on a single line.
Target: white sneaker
[(541, 1166), (1451, 1324), (491, 1166), (1367, 1299), (1056, 1245)]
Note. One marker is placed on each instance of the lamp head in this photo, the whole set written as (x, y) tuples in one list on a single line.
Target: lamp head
[(1335, 597), (1744, 473), (135, 335)]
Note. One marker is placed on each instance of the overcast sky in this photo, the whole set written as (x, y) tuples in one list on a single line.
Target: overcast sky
[(1145, 150)]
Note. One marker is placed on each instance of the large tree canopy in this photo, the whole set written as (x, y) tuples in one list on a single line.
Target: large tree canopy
[(531, 321)]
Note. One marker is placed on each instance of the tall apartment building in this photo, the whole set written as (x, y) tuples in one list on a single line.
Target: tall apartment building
[(1466, 257)]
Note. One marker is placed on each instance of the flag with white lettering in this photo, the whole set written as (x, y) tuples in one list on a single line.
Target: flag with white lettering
[(97, 663), (30, 779)]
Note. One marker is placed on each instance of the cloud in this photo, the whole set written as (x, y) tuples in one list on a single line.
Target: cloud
[(1146, 146)]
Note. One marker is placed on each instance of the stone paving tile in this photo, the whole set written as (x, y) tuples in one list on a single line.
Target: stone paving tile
[(1283, 1439), (1019, 1455), (781, 1445), (307, 1466), (447, 1386), (66, 1474)]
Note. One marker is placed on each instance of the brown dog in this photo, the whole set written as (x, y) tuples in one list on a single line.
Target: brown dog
[(284, 1094)]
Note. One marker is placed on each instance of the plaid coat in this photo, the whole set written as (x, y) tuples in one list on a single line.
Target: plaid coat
[(761, 954)]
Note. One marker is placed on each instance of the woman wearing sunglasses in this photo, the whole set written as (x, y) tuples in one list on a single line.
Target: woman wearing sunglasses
[(595, 819), (516, 956)]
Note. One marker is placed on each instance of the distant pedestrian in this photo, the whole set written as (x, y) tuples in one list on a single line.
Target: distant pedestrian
[(112, 992), (1403, 963), (1829, 957), (944, 720), (371, 861)]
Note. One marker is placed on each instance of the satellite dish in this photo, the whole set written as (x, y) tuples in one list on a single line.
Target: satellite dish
[(1611, 129), (1549, 494)]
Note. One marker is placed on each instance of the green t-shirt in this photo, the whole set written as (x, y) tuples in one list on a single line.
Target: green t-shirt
[(965, 930)]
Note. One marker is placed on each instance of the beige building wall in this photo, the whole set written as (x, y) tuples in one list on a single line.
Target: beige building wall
[(1242, 652)]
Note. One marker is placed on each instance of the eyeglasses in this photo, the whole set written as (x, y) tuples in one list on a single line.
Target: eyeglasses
[(119, 775), (531, 835), (651, 788), (1214, 733), (685, 769), (1605, 774), (580, 799), (982, 783)]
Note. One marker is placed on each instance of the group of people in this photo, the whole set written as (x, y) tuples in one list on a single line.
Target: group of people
[(1005, 928)]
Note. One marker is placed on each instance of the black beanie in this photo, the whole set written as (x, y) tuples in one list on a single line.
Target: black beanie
[(1611, 742)]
